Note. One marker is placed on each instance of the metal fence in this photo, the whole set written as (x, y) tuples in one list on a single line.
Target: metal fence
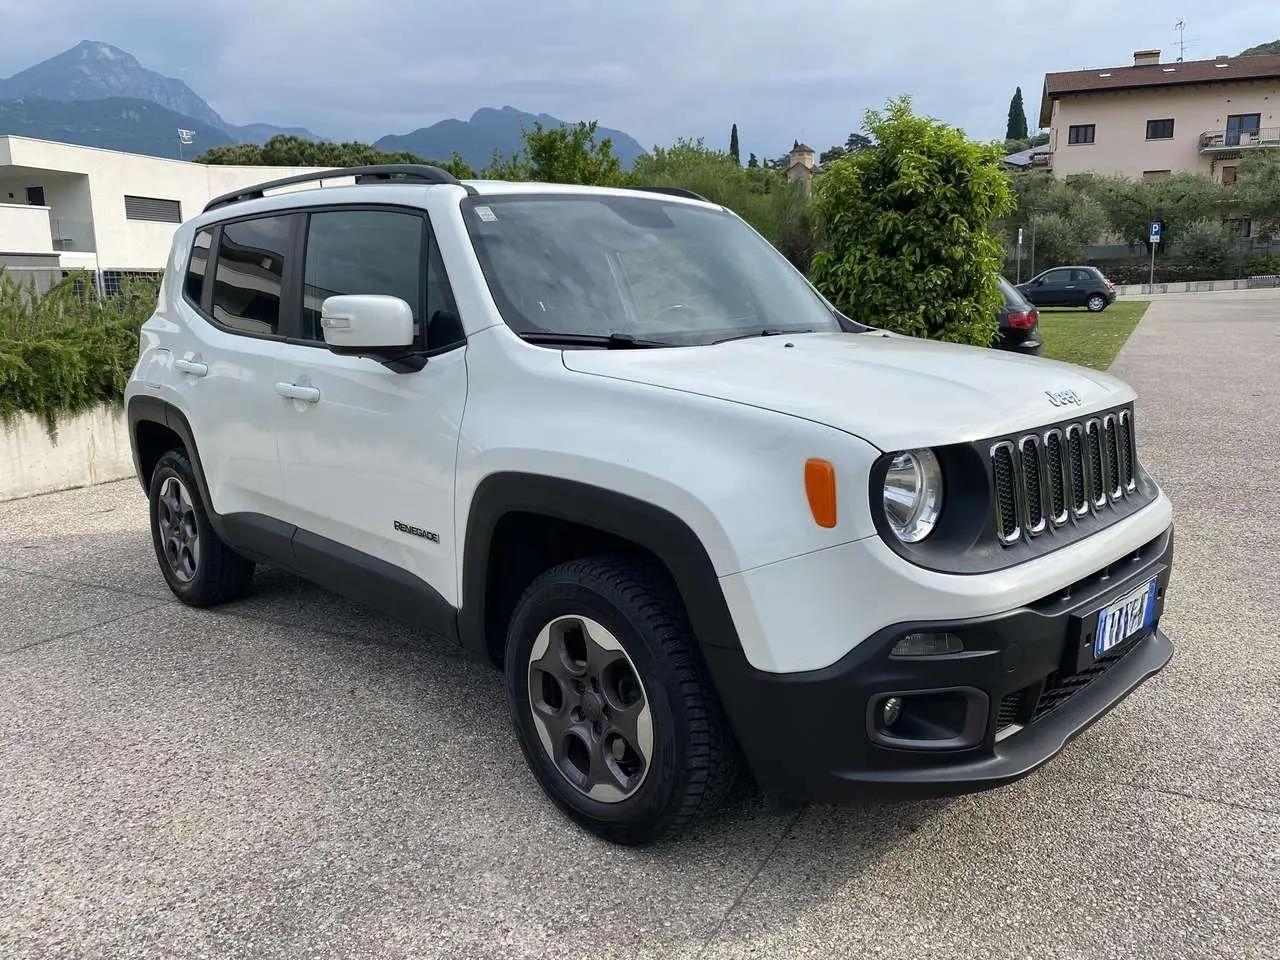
[(107, 282)]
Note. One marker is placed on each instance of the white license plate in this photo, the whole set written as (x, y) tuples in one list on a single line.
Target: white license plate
[(1122, 619)]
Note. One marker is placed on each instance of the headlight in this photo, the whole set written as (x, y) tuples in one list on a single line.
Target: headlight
[(913, 495)]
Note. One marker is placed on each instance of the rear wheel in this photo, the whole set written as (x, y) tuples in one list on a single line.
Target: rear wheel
[(612, 707), (199, 568), (1096, 303)]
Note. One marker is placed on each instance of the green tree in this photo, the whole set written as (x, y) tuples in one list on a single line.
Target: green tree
[(285, 150), (567, 154), (1017, 127), (1262, 49), (1258, 188), (908, 243), (753, 163), (1211, 246), (1064, 235), (733, 145), (855, 142), (1055, 241), (764, 198)]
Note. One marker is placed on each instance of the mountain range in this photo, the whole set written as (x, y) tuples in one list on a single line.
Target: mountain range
[(98, 95)]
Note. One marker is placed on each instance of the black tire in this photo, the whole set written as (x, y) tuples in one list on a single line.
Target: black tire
[(1096, 303), (217, 574), (694, 760)]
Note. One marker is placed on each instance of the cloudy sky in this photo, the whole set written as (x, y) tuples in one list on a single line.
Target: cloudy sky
[(659, 70)]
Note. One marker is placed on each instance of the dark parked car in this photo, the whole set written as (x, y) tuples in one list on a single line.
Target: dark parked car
[(1070, 287), (1019, 323)]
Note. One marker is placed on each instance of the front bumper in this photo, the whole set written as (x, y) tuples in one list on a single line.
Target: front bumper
[(1025, 685)]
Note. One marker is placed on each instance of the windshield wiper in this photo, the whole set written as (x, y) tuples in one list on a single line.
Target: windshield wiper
[(614, 341), (766, 332)]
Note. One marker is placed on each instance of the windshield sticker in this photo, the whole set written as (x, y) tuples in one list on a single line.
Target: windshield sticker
[(485, 214)]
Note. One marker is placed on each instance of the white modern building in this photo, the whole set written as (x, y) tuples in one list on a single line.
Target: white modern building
[(66, 207)]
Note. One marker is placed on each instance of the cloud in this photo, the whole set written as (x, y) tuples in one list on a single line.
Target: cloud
[(805, 69)]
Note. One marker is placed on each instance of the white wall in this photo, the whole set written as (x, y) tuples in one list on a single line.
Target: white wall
[(91, 447), (1121, 146), (108, 175), (24, 229)]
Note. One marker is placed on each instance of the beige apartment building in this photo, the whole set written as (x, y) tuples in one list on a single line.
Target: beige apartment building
[(1155, 118)]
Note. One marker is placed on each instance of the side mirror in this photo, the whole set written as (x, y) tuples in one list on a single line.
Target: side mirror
[(371, 325)]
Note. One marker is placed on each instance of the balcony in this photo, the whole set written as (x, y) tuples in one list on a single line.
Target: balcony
[(1223, 141), (71, 236)]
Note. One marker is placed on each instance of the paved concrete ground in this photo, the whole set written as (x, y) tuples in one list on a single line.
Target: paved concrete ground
[(295, 777)]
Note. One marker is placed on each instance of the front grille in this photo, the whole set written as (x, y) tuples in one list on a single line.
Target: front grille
[(1054, 452), (1079, 483), (1043, 480), (1031, 478), (1097, 482), (1006, 503)]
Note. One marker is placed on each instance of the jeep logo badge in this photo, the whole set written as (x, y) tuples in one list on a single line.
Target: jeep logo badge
[(1062, 398)]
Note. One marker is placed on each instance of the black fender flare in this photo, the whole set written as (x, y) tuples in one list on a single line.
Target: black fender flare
[(653, 528), (144, 409)]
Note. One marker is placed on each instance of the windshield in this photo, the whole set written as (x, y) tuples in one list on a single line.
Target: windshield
[(671, 273)]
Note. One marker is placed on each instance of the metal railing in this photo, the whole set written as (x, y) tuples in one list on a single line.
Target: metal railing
[(40, 280), (1239, 139)]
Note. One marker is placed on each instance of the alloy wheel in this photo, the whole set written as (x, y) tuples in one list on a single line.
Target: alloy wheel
[(590, 708), (179, 531)]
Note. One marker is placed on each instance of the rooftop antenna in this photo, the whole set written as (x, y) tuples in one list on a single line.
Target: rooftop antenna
[(1181, 27)]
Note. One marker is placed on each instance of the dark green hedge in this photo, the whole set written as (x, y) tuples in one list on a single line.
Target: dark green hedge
[(69, 349)]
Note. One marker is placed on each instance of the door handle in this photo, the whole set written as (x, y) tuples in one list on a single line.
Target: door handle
[(292, 391), (192, 367)]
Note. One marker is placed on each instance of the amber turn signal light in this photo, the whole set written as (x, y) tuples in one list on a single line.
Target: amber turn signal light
[(820, 488)]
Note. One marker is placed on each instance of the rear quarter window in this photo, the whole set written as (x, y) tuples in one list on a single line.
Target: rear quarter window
[(198, 267)]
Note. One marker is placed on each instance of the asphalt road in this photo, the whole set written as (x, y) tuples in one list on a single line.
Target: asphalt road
[(295, 777)]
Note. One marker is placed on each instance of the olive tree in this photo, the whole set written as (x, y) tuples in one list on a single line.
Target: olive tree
[(286, 150), (907, 229), (1259, 189)]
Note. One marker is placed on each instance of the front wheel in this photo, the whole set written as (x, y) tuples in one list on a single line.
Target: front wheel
[(612, 708), (1096, 303)]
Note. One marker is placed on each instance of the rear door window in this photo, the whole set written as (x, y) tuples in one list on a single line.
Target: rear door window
[(249, 277)]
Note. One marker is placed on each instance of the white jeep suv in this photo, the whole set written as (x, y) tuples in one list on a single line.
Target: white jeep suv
[(612, 442)]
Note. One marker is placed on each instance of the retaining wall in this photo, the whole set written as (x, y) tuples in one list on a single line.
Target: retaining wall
[(92, 447)]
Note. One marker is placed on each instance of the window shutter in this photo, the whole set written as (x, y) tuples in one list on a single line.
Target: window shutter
[(150, 208)]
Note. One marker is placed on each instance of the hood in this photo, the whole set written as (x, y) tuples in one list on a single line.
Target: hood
[(894, 392)]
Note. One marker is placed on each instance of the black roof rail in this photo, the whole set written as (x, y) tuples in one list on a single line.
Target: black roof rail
[(379, 173), (673, 191)]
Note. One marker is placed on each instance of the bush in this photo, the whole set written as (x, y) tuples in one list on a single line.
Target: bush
[(1211, 246), (67, 350), (907, 229)]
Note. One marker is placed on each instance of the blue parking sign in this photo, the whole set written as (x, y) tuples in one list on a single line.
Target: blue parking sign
[(1155, 232)]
